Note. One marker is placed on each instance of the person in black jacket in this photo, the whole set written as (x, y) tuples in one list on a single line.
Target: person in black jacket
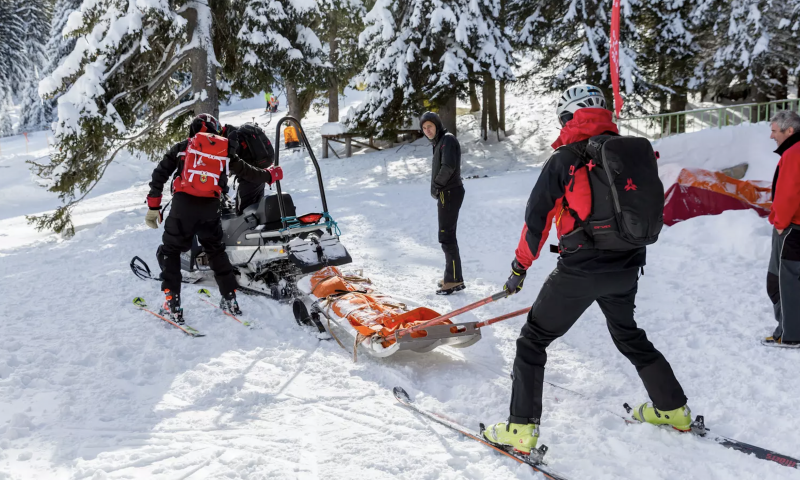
[(247, 192), (448, 191), (192, 215)]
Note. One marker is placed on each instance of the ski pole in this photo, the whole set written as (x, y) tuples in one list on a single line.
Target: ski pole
[(447, 316), (502, 317)]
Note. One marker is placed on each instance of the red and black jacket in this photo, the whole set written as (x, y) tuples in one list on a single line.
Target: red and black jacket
[(786, 185), (563, 184)]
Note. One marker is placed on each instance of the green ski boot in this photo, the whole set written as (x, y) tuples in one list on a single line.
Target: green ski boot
[(522, 438), (679, 419)]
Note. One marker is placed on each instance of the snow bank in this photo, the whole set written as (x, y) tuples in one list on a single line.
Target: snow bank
[(332, 128), (716, 149)]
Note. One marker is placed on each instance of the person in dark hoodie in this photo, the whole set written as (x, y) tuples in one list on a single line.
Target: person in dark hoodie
[(448, 191), (583, 276), (196, 212)]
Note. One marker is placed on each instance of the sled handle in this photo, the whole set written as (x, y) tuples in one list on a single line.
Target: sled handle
[(447, 316), (301, 135), (485, 323)]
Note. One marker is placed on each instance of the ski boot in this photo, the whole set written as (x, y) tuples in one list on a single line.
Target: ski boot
[(521, 438), (680, 419), (779, 341), (229, 304), (448, 288), (172, 307)]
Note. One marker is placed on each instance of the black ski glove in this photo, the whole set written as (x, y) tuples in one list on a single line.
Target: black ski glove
[(435, 194), (517, 278)]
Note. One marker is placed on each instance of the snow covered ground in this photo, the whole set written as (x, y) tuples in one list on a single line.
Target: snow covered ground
[(91, 388)]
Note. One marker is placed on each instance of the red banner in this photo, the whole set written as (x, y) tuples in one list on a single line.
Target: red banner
[(614, 56)]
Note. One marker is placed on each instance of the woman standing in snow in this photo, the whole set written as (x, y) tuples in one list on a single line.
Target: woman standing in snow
[(448, 191)]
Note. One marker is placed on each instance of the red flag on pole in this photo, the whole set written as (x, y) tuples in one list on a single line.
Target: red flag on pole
[(614, 55)]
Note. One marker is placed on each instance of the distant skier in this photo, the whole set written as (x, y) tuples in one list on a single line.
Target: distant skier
[(448, 191), (783, 277), (597, 263), (200, 164)]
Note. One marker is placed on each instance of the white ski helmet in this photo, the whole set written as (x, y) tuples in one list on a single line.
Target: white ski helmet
[(577, 97)]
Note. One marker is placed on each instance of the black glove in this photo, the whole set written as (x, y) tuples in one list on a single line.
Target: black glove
[(517, 278), (435, 194)]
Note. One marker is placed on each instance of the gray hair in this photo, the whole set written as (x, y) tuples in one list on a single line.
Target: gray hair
[(785, 119)]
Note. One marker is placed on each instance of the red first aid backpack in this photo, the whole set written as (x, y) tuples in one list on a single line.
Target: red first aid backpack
[(204, 162)]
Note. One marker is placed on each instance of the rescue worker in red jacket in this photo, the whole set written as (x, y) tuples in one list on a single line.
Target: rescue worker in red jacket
[(581, 278), (192, 215), (783, 277)]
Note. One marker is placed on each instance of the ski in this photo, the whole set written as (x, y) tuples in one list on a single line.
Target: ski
[(534, 460), (205, 295), (142, 305), (700, 430)]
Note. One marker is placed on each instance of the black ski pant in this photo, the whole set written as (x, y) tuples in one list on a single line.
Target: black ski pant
[(565, 295), (783, 283), (180, 227), (449, 205)]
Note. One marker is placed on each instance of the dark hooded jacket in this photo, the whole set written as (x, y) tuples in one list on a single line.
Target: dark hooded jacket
[(446, 167)]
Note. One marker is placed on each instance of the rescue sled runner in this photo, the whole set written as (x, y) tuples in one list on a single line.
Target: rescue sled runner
[(349, 303)]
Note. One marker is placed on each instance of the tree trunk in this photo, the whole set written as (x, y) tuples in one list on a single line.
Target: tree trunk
[(484, 110), (447, 112), (677, 103), (204, 73), (298, 102), (474, 103), (502, 123), (491, 97), (333, 79), (291, 100)]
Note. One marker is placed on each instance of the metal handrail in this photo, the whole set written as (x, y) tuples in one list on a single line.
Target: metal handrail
[(666, 124)]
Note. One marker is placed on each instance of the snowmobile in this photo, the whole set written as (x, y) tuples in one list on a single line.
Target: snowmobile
[(268, 244)]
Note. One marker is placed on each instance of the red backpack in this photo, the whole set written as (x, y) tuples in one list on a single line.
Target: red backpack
[(204, 162)]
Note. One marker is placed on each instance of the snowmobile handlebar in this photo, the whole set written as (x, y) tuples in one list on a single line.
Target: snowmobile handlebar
[(447, 316), (302, 136)]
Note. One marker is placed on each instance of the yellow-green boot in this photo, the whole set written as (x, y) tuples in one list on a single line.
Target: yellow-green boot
[(522, 438), (679, 419)]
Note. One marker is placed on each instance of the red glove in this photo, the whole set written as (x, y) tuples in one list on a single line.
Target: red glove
[(276, 173), (154, 202)]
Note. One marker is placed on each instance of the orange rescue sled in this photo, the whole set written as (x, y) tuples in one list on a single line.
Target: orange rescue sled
[(350, 302)]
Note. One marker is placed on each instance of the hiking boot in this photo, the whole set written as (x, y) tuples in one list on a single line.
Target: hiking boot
[(448, 288), (679, 419), (522, 438), (229, 304), (439, 283), (172, 307)]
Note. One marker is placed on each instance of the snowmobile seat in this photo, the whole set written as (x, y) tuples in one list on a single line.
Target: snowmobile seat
[(269, 212)]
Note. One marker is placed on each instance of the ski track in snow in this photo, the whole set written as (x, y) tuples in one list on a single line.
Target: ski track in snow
[(92, 388)]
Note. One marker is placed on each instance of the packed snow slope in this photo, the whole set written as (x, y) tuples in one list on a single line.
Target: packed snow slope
[(92, 388)]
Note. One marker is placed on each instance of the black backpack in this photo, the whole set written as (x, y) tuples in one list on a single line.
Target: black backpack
[(627, 196), (257, 149)]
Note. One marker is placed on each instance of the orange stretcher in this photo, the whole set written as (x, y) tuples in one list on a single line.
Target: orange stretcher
[(351, 303)]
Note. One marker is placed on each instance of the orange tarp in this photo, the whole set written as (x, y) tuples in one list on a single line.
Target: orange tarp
[(702, 192), (367, 311), (754, 193)]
